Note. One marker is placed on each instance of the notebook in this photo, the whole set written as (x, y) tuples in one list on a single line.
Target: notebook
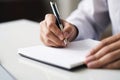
[(70, 57)]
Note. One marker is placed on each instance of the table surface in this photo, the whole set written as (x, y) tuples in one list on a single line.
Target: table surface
[(24, 33)]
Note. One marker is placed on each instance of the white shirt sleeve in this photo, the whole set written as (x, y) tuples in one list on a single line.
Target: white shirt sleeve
[(91, 18)]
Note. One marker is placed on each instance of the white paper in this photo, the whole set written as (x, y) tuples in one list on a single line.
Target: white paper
[(69, 57)]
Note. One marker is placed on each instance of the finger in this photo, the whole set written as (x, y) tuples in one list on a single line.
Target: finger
[(107, 49), (113, 65), (105, 42), (51, 24), (42, 36), (69, 31), (42, 26), (55, 39), (48, 37), (48, 42), (107, 59)]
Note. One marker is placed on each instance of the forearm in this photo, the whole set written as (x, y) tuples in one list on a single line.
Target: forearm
[(90, 19)]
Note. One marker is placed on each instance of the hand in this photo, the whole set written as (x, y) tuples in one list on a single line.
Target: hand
[(106, 54), (51, 35)]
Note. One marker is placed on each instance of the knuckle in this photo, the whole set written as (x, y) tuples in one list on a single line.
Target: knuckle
[(103, 43), (99, 63), (111, 56), (93, 50), (117, 36), (50, 25), (48, 34), (42, 26), (106, 49), (48, 15), (41, 23)]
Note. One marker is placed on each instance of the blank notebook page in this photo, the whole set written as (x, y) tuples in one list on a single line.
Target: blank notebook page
[(70, 57)]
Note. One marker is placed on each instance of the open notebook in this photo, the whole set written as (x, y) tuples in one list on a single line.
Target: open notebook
[(70, 57)]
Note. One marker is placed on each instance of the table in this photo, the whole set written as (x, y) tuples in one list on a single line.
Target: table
[(24, 33)]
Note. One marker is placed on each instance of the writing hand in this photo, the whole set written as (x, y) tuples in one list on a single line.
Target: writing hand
[(51, 35)]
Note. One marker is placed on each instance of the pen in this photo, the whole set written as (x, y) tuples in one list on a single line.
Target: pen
[(59, 23)]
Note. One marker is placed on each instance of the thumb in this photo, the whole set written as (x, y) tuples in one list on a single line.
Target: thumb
[(68, 31)]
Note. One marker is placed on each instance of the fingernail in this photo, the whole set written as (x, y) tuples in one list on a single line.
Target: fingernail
[(89, 59), (91, 65)]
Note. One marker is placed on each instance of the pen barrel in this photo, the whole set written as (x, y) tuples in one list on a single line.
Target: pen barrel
[(58, 20), (56, 13)]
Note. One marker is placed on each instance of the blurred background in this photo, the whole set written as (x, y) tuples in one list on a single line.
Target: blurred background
[(36, 9), (19, 9), (33, 9)]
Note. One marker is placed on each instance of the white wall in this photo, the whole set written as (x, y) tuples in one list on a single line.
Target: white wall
[(67, 6)]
